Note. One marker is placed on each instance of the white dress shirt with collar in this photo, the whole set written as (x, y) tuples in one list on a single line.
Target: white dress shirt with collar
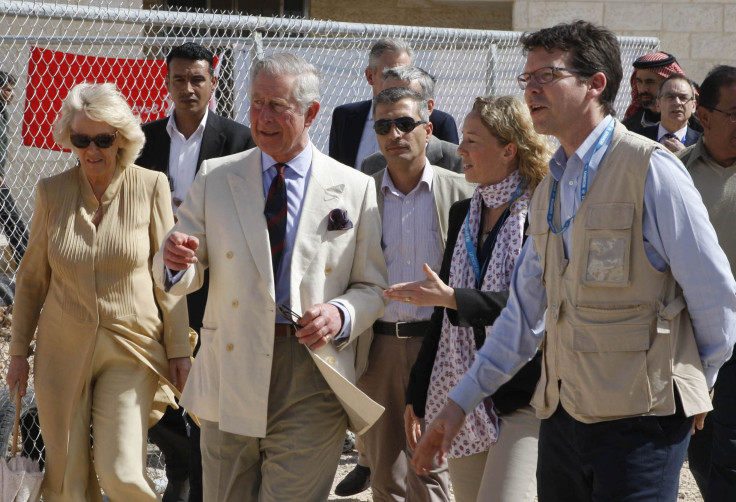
[(183, 156), (661, 132)]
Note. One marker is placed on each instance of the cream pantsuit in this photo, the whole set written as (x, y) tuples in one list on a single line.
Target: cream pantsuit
[(89, 291)]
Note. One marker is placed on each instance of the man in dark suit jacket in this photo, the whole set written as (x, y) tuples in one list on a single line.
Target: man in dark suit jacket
[(177, 145), (676, 103), (351, 133)]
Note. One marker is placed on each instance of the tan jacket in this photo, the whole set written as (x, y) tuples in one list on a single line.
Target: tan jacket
[(77, 282), (618, 336), (230, 378)]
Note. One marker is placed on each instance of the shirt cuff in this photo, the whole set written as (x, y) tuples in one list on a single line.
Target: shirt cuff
[(171, 278), (711, 374), (346, 324), (467, 394)]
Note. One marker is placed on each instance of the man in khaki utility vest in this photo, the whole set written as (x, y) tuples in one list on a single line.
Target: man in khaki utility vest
[(625, 267), (712, 164)]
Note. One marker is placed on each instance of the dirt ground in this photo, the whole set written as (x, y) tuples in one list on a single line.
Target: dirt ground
[(688, 489)]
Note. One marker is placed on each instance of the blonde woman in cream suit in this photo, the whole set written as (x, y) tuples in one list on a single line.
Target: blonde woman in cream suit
[(109, 343)]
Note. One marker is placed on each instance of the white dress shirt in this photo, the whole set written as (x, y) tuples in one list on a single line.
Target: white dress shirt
[(661, 132), (183, 156)]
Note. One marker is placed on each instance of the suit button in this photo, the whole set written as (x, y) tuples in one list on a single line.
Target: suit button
[(328, 271), (229, 347), (229, 255), (235, 303), (331, 360)]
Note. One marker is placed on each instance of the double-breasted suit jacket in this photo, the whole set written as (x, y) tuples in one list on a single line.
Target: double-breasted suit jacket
[(229, 382)]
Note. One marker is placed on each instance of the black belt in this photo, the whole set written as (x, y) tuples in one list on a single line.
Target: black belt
[(401, 329)]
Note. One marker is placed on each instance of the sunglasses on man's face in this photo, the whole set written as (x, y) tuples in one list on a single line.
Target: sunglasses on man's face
[(101, 140), (403, 124)]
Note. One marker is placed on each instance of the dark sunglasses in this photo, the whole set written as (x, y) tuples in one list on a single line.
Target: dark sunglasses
[(101, 140), (290, 315), (403, 124)]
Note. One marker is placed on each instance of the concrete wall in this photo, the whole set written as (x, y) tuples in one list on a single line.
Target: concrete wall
[(700, 33), (477, 14)]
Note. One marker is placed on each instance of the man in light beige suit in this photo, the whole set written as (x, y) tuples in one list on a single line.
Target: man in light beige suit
[(274, 402)]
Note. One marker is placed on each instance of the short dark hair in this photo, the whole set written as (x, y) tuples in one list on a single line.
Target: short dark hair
[(6, 78), (395, 94), (192, 52), (677, 76), (594, 49), (710, 89)]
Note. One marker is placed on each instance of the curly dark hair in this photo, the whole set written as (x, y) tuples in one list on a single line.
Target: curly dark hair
[(594, 49)]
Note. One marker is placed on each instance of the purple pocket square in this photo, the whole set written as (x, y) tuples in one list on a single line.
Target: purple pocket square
[(339, 220)]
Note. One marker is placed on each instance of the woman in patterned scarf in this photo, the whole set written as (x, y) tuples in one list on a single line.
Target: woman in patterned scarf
[(495, 455)]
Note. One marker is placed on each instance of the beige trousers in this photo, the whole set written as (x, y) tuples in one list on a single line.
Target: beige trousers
[(116, 401), (384, 445), (508, 471), (297, 460)]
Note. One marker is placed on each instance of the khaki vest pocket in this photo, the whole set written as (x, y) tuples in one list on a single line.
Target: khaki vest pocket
[(610, 370)]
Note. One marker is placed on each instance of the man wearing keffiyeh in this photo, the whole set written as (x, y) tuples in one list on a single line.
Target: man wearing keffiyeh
[(650, 70)]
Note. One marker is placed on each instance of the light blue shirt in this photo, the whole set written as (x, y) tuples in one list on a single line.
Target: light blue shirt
[(368, 142), (677, 232), (296, 175)]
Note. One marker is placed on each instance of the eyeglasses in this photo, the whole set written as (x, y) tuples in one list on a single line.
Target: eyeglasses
[(403, 124), (731, 115), (682, 98), (101, 140), (290, 315), (543, 75)]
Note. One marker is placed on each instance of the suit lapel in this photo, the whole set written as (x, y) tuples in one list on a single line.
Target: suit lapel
[(162, 148), (322, 196), (246, 186), (213, 139)]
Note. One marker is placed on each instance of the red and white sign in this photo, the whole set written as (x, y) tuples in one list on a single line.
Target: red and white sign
[(51, 74)]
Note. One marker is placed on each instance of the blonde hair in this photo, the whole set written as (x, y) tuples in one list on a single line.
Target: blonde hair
[(508, 119), (102, 103)]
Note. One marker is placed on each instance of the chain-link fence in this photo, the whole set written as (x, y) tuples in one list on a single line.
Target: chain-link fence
[(50, 47)]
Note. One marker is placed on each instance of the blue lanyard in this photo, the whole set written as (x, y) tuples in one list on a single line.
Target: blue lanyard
[(470, 248), (583, 184)]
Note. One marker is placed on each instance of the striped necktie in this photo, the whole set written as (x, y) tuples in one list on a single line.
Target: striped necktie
[(275, 212)]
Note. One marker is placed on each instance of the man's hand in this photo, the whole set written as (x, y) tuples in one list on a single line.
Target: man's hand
[(320, 323), (179, 368), (673, 144), (179, 251), (432, 292), (18, 374), (438, 437), (412, 426)]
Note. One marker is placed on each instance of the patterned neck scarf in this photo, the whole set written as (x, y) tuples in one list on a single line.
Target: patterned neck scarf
[(456, 351)]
